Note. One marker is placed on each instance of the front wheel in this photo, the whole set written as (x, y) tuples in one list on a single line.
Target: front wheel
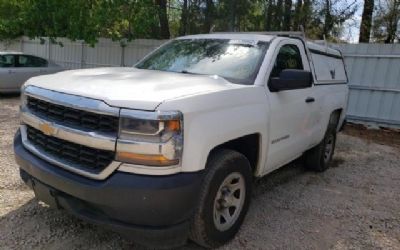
[(224, 199)]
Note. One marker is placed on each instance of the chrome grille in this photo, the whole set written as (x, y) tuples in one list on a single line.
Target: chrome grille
[(74, 154), (77, 118)]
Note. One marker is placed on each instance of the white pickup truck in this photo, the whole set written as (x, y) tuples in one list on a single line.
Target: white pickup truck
[(167, 150)]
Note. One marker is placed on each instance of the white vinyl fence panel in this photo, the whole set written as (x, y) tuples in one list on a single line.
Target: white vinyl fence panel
[(373, 70), (77, 54), (374, 82), (10, 46)]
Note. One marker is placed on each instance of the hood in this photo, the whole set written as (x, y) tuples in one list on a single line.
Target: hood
[(130, 87)]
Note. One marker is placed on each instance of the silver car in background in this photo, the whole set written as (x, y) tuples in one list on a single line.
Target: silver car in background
[(16, 68)]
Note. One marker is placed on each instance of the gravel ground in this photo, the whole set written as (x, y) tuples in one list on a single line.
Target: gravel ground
[(353, 205)]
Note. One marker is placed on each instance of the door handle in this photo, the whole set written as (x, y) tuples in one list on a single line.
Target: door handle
[(310, 99)]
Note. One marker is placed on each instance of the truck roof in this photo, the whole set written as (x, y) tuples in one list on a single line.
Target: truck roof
[(267, 37), (324, 49), (233, 35)]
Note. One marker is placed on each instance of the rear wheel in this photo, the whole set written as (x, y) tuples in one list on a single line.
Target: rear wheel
[(224, 199), (319, 157)]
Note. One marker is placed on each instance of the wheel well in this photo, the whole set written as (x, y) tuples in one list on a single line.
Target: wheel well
[(247, 145), (335, 116)]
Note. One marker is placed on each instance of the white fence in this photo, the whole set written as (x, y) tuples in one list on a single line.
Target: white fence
[(373, 69), (10, 46), (374, 82), (76, 54)]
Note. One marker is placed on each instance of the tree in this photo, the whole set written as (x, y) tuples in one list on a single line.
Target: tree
[(162, 15), (278, 15), (329, 19), (11, 22), (195, 16), (297, 14), (237, 15), (269, 11), (366, 21), (319, 18), (130, 19), (303, 13), (91, 19), (306, 14), (387, 22), (287, 15), (208, 15), (233, 16), (184, 19)]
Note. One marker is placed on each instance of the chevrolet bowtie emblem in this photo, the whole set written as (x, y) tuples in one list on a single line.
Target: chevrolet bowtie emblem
[(47, 129)]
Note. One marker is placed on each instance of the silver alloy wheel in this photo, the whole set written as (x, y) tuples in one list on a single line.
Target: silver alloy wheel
[(328, 148), (229, 201)]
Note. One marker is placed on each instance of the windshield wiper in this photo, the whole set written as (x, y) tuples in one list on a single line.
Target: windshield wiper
[(193, 73), (188, 72)]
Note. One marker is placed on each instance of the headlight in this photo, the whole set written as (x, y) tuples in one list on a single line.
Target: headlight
[(150, 138)]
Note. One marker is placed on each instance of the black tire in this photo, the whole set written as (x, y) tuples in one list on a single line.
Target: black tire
[(318, 159), (221, 165)]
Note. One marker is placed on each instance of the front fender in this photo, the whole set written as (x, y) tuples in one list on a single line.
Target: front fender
[(215, 118)]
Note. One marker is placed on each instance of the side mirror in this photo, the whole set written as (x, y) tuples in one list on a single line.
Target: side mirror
[(290, 79)]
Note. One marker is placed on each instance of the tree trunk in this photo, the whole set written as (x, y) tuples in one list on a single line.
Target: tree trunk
[(287, 15), (394, 21), (208, 15), (328, 25), (162, 15), (391, 31), (184, 19), (306, 12), (268, 14), (297, 15), (232, 21), (366, 21), (279, 15)]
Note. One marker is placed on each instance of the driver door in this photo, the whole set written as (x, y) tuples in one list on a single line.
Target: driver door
[(291, 111)]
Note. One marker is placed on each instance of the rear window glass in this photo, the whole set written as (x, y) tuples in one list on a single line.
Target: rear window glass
[(31, 61), (7, 61), (328, 68)]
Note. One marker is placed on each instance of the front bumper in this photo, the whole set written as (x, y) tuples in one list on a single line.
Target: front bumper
[(152, 210)]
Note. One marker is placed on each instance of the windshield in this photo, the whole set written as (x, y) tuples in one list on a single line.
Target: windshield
[(236, 60)]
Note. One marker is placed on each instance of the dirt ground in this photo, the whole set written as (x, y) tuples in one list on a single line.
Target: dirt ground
[(353, 205), (383, 136)]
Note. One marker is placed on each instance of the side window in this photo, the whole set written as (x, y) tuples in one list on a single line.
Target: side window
[(7, 61), (289, 57), (31, 61)]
